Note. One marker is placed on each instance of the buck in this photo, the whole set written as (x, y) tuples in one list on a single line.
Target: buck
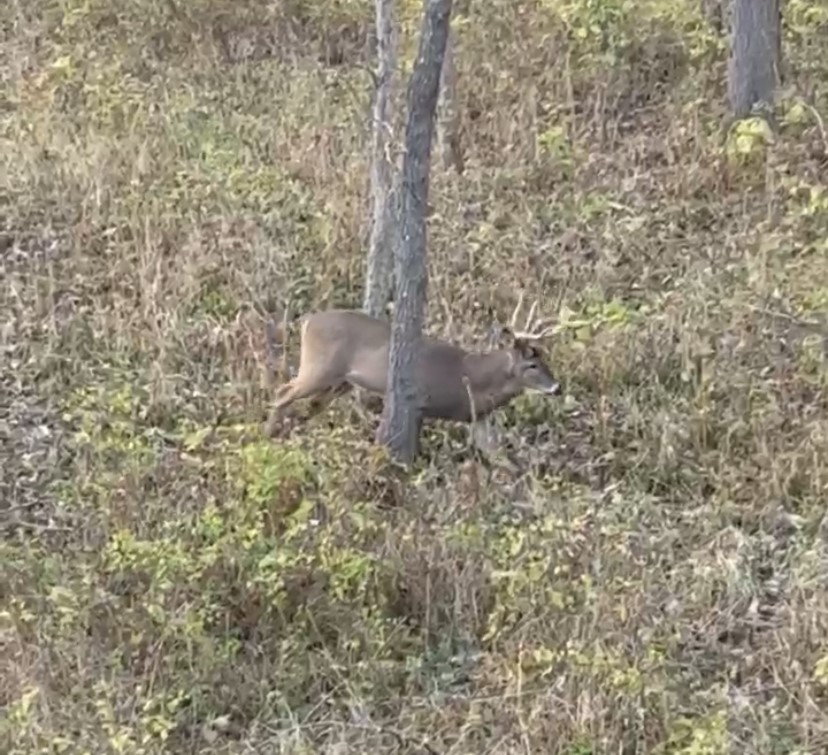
[(342, 348)]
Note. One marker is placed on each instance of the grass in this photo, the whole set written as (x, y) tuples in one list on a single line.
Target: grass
[(173, 582)]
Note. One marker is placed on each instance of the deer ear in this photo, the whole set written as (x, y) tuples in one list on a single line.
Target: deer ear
[(527, 350), (524, 347)]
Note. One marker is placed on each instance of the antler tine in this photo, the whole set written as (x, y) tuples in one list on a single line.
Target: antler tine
[(518, 306), (530, 318), (534, 336), (535, 329), (543, 332)]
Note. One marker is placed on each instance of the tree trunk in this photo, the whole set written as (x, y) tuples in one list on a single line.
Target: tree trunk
[(379, 270), (449, 121), (400, 426), (755, 54)]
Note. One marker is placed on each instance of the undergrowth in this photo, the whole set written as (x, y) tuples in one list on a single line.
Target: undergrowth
[(657, 580)]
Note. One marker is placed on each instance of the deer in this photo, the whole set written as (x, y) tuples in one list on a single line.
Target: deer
[(342, 348)]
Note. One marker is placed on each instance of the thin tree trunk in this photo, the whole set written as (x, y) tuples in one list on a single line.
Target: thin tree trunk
[(755, 54), (400, 426), (380, 263), (449, 120)]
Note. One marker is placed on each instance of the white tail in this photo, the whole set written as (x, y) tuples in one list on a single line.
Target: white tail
[(344, 348)]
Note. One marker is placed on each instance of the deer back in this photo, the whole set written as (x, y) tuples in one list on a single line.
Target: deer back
[(347, 345)]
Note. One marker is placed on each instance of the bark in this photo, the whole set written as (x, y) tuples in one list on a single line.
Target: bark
[(451, 147), (380, 263), (400, 426), (755, 54)]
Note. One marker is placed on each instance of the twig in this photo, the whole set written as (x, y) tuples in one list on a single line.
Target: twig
[(563, 291), (819, 327), (820, 123), (40, 528), (401, 738), (285, 318), (472, 409), (270, 352), (21, 506)]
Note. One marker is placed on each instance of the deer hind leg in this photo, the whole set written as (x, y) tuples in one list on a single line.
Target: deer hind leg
[(285, 396), (325, 398), (297, 389)]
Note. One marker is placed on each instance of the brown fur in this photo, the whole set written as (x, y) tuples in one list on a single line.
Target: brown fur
[(345, 348)]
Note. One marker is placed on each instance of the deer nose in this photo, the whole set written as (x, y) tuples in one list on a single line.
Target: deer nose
[(554, 389)]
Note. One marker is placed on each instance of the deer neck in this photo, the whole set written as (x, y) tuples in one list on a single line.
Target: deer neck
[(490, 380)]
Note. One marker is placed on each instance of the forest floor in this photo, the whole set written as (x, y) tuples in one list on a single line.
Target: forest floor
[(172, 581)]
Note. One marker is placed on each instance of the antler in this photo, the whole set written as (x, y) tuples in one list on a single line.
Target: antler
[(533, 330)]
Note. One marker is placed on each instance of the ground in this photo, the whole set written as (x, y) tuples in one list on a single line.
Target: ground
[(173, 581)]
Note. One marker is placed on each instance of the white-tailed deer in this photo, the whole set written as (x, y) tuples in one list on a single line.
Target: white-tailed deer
[(345, 348)]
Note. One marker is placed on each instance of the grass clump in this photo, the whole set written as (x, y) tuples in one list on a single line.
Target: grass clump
[(172, 581)]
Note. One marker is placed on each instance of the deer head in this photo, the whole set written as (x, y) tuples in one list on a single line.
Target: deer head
[(528, 365)]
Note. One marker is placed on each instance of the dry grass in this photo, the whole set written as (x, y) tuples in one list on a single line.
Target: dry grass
[(171, 581)]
